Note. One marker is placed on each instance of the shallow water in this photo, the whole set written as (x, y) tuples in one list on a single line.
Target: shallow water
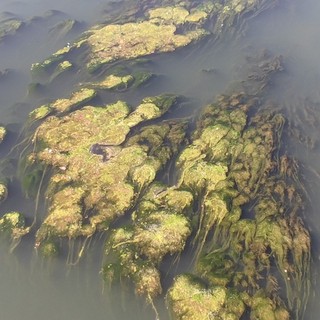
[(35, 289)]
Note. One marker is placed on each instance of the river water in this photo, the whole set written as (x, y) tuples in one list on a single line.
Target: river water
[(34, 289)]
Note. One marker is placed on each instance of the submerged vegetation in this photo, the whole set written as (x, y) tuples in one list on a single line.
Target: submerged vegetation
[(232, 201)]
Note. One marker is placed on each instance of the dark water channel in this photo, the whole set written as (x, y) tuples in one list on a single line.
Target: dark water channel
[(33, 289)]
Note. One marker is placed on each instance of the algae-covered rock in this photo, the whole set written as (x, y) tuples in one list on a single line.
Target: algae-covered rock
[(3, 133)]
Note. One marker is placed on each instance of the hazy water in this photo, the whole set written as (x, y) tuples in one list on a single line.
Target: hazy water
[(34, 289)]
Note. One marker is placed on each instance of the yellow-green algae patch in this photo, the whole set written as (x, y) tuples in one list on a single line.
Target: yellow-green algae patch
[(95, 178), (132, 40)]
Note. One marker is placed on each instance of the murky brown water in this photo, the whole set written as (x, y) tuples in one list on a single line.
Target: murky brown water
[(35, 289)]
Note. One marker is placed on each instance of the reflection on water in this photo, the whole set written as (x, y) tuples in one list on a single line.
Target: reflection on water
[(36, 289)]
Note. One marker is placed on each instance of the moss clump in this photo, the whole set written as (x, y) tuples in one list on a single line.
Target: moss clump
[(3, 133)]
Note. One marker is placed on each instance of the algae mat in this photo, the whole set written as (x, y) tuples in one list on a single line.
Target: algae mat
[(233, 200)]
